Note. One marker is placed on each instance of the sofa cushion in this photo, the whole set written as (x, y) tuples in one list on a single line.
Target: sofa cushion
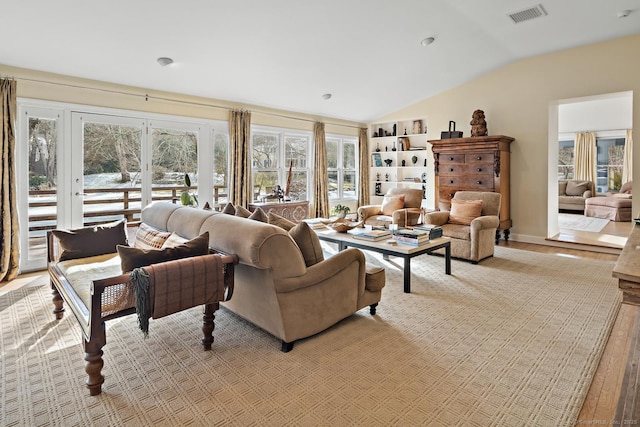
[(148, 237), (280, 221), (131, 258), (259, 215), (229, 209), (308, 242), (242, 212), (91, 241), (464, 211), (391, 204), (577, 188), (562, 188), (626, 187)]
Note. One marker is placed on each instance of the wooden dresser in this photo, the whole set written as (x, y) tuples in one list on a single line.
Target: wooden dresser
[(480, 163)]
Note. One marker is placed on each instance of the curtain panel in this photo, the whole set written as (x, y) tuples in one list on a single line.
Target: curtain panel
[(363, 187), (9, 246), (320, 176), (240, 172), (585, 158), (627, 163)]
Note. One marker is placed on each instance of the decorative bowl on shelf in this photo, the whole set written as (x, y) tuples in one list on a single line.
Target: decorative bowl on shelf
[(342, 225)]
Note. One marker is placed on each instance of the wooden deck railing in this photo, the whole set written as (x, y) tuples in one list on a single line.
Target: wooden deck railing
[(122, 202)]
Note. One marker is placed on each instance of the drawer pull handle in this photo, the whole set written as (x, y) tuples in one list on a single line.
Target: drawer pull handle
[(451, 170), (451, 182), (479, 158), (479, 169), (450, 194), (451, 159), (478, 182)]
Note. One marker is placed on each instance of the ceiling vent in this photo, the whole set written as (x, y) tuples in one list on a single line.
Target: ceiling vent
[(527, 14)]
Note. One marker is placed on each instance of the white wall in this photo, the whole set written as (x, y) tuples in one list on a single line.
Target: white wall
[(600, 113)]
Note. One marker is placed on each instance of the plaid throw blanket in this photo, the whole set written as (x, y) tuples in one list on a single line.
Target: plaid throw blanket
[(173, 286)]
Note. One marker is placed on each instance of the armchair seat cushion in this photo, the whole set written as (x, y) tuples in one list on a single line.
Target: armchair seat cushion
[(457, 231)]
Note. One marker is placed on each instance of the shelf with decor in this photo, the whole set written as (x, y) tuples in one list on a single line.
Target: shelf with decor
[(399, 156)]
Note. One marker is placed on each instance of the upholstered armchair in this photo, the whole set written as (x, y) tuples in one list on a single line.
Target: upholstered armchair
[(400, 206), (471, 224)]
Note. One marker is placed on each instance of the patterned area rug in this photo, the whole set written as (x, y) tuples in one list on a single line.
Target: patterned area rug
[(581, 222), (512, 341)]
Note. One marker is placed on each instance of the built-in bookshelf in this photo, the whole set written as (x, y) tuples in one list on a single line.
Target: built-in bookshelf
[(399, 156)]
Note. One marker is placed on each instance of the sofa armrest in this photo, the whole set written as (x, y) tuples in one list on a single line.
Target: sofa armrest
[(406, 216), (327, 269), (485, 222), (436, 218), (587, 194), (366, 211)]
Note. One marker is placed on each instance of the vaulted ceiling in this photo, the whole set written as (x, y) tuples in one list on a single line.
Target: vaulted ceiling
[(287, 54)]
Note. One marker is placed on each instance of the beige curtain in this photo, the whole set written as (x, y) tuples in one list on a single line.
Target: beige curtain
[(585, 157), (320, 176), (240, 174), (9, 249), (627, 163), (363, 188)]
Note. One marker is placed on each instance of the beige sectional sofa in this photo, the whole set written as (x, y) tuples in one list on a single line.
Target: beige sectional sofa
[(282, 285), (573, 193)]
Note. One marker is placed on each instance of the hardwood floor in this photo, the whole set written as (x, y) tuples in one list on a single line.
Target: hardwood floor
[(613, 235), (613, 397)]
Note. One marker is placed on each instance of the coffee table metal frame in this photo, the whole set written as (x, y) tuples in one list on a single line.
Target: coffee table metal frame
[(403, 251)]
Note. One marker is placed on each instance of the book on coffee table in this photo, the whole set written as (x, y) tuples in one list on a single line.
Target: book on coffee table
[(371, 235)]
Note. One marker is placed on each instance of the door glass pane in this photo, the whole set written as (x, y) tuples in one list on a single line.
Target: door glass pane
[(42, 183), (174, 154), (220, 168), (111, 161)]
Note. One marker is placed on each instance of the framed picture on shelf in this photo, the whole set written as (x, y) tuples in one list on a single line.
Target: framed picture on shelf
[(377, 159), (417, 127)]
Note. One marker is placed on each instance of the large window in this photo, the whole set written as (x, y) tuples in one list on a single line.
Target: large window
[(610, 156), (274, 154), (342, 168)]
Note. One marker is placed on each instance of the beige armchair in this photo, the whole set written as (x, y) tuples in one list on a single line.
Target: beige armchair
[(400, 206), (471, 224)]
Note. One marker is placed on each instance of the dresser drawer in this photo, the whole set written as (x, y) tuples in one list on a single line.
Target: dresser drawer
[(446, 159), (479, 158), (476, 182), (452, 169), (477, 169)]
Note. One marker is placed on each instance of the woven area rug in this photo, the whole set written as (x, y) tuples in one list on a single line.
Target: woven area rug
[(512, 341), (581, 222)]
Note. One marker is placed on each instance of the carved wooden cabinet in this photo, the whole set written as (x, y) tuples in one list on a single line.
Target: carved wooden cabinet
[(294, 211), (480, 163)]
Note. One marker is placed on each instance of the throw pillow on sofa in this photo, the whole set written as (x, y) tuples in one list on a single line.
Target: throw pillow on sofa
[(148, 237), (464, 211), (577, 188), (242, 212), (259, 215), (229, 209), (308, 242), (131, 258), (91, 241), (280, 221)]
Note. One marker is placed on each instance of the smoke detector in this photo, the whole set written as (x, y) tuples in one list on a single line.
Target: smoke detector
[(528, 14)]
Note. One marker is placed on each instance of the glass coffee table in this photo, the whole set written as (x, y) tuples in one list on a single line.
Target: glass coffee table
[(406, 252)]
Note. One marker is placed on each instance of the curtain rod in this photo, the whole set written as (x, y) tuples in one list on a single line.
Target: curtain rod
[(160, 98)]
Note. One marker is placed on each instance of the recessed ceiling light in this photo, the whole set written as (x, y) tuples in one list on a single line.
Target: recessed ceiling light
[(427, 41), (326, 96), (164, 61), (624, 13)]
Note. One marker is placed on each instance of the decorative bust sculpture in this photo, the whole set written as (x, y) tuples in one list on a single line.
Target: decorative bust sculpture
[(478, 124)]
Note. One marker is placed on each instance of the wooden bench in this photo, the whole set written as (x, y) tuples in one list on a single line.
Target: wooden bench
[(95, 300)]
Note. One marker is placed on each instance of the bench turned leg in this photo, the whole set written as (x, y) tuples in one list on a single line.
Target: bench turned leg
[(93, 367), (208, 324), (58, 303)]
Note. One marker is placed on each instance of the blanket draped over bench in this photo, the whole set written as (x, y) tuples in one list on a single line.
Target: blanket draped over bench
[(161, 289)]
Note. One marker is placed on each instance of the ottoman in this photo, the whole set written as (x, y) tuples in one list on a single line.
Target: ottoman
[(611, 207)]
